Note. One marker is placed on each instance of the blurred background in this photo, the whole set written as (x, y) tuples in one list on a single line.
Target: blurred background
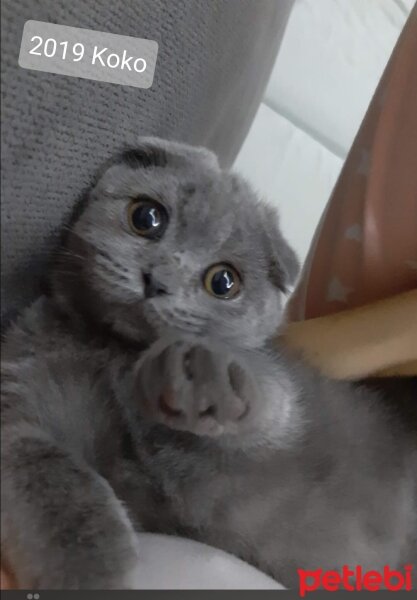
[(331, 59)]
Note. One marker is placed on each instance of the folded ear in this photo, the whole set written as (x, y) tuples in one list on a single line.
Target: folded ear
[(178, 152), (284, 265), (156, 152), (153, 152)]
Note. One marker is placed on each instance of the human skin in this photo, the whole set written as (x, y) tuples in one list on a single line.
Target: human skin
[(6, 580), (375, 339)]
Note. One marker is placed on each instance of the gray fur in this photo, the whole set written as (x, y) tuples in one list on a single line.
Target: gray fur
[(174, 413)]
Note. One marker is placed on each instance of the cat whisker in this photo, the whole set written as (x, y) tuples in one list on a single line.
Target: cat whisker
[(182, 315), (113, 269), (181, 323), (65, 254)]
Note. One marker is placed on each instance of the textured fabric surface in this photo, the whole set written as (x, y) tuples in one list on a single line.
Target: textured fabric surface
[(214, 62)]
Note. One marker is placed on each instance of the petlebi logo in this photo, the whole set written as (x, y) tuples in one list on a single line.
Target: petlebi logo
[(355, 579)]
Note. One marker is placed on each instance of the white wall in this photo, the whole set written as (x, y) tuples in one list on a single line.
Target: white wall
[(331, 59)]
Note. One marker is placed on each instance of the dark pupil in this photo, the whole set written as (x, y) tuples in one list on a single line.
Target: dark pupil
[(222, 282), (146, 217)]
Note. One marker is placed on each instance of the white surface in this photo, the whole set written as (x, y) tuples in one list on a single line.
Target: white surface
[(331, 59), (290, 169), (170, 563)]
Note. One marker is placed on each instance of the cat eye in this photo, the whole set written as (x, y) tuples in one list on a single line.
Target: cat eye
[(222, 281), (148, 217)]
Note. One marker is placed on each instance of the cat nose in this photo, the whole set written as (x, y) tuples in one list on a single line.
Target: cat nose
[(152, 287)]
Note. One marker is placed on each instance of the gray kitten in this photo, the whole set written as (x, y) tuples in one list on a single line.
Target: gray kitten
[(143, 393)]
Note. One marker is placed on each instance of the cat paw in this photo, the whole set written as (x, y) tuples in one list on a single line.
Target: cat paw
[(190, 387)]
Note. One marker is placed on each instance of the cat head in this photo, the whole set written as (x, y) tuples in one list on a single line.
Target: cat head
[(166, 241)]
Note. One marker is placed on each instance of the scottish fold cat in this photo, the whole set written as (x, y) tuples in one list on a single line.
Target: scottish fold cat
[(143, 391)]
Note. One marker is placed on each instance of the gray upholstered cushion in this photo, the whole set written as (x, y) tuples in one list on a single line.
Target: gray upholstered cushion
[(214, 61)]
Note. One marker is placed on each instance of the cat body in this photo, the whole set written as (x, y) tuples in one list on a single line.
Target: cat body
[(143, 393)]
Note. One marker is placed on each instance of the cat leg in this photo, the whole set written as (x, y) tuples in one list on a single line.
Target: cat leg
[(62, 525)]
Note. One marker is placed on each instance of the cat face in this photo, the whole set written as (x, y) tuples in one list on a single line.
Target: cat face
[(168, 242)]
